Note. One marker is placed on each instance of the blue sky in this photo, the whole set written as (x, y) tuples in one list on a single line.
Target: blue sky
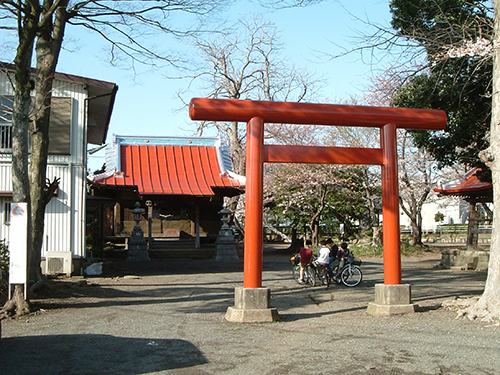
[(146, 105)]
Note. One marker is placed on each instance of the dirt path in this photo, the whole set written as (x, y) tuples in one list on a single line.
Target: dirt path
[(168, 317)]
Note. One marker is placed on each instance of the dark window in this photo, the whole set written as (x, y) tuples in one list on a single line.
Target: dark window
[(5, 136), (60, 125), (6, 213), (5, 121), (6, 104)]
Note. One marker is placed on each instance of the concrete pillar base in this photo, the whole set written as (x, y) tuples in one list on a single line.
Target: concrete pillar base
[(251, 305), (391, 300), (252, 315)]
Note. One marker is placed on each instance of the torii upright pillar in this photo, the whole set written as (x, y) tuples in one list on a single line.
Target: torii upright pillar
[(252, 300), (392, 297)]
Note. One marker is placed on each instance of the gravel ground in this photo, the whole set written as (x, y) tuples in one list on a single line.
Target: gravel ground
[(167, 317)]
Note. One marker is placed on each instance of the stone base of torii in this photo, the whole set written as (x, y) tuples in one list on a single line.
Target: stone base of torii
[(252, 300)]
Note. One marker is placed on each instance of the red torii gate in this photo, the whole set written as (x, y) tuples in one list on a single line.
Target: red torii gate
[(249, 299)]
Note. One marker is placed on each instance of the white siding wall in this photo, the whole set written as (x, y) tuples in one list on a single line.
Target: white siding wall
[(452, 208), (5, 173), (65, 214)]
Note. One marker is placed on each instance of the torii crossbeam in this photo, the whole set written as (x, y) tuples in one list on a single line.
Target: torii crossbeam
[(256, 113)]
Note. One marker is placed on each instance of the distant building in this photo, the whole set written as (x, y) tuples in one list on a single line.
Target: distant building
[(453, 209)]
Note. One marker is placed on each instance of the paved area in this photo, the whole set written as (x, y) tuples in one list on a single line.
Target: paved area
[(167, 317)]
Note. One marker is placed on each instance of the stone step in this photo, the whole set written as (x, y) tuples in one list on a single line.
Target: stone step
[(182, 253), (175, 244)]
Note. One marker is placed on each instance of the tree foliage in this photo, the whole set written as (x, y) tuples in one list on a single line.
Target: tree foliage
[(368, 177), (462, 89), (456, 77), (437, 25)]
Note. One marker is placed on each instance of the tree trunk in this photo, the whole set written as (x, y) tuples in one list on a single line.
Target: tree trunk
[(314, 228), (487, 307), (38, 169), (236, 150), (48, 46), (373, 211), (414, 212), (19, 303), (416, 226), (296, 243), (472, 237), (377, 236)]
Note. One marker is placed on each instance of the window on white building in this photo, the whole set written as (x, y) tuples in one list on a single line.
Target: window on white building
[(59, 130), (6, 213)]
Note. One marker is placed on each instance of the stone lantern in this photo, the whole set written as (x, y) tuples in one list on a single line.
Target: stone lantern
[(137, 246), (226, 246)]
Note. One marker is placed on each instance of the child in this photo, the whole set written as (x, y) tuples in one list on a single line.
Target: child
[(342, 256), (324, 256), (305, 259)]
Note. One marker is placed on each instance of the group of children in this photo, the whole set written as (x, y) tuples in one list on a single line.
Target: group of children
[(329, 255)]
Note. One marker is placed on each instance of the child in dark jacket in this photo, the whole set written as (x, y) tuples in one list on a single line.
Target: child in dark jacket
[(342, 255)]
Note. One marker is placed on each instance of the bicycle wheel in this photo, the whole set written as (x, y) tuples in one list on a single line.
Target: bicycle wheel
[(334, 278), (296, 273), (310, 274), (323, 276), (351, 275)]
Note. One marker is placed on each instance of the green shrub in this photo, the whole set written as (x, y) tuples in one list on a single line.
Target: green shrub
[(4, 266), (365, 250)]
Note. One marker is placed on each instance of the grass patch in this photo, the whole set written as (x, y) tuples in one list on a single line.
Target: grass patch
[(370, 251)]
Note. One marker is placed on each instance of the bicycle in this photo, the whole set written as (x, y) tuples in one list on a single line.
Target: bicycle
[(321, 273), (351, 274), (309, 271)]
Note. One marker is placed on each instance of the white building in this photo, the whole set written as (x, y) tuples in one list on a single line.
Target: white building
[(80, 114), (453, 200), (454, 210)]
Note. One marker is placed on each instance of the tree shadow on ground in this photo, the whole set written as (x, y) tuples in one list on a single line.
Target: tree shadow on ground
[(95, 354), (273, 259), (290, 317)]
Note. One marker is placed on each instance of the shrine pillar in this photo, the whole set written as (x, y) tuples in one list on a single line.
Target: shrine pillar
[(251, 300), (392, 297)]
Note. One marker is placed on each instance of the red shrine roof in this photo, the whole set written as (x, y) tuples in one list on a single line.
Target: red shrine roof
[(169, 166), (469, 185)]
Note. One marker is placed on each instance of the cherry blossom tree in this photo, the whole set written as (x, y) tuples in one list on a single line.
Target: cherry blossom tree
[(418, 174), (309, 196)]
